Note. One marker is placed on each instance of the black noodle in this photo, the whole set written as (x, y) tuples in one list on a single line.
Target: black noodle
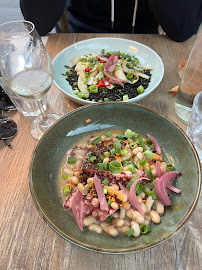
[(114, 94)]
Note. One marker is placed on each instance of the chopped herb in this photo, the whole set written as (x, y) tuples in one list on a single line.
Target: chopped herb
[(71, 160), (130, 232)]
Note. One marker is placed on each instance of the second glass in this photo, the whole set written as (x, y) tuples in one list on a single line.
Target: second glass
[(27, 72), (191, 83)]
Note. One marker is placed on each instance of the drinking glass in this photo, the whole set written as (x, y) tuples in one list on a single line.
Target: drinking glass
[(194, 130), (15, 36), (27, 72), (191, 82)]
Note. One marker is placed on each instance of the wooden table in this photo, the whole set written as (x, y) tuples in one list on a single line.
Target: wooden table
[(27, 242)]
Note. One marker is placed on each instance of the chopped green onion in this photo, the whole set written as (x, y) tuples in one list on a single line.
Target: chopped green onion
[(106, 99), (140, 89), (113, 151), (148, 154), (125, 97), (170, 166), (150, 175), (153, 207), (71, 160), (115, 167), (83, 94), (133, 145), (92, 159), (83, 60), (130, 140), (154, 196), (142, 144), (66, 190), (128, 186), (129, 133), (118, 146), (64, 176), (93, 88), (127, 162), (101, 157), (121, 137), (76, 92), (69, 73), (109, 219), (144, 229), (142, 162), (105, 190), (102, 51), (85, 189), (108, 134), (96, 141), (106, 154), (124, 152), (109, 144), (132, 168), (130, 232), (103, 166), (149, 142), (105, 182), (109, 202)]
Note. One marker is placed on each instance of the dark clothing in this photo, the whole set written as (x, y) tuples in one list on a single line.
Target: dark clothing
[(180, 19)]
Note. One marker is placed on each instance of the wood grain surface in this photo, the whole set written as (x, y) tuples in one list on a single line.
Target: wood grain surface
[(27, 242)]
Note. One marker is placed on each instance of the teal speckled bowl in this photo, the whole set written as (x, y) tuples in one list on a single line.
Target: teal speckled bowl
[(50, 153), (145, 54)]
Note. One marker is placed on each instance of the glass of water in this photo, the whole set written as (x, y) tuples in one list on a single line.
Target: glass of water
[(27, 71), (194, 130)]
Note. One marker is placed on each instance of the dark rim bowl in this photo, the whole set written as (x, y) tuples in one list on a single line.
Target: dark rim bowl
[(49, 156)]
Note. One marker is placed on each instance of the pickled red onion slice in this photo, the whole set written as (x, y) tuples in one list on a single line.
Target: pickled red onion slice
[(78, 208), (160, 187), (156, 144), (100, 193)]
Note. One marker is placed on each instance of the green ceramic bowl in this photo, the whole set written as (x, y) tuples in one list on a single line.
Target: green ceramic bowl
[(50, 153)]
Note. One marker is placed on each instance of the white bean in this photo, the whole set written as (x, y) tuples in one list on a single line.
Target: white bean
[(163, 167), (74, 180), (109, 229), (159, 207), (140, 155), (136, 228), (123, 229), (122, 213), (149, 202), (80, 187), (138, 149), (115, 186), (90, 180), (127, 222), (95, 228), (89, 220), (114, 205), (139, 198), (67, 171), (155, 216), (135, 215), (115, 215), (117, 222)]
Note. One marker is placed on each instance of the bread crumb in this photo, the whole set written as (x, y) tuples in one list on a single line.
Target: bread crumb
[(88, 120), (173, 91)]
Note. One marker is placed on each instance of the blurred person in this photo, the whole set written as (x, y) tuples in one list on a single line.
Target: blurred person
[(180, 19)]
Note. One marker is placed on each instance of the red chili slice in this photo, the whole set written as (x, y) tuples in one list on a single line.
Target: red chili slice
[(88, 69), (100, 84)]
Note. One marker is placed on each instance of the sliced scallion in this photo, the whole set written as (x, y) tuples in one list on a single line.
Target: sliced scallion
[(115, 167), (71, 160)]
